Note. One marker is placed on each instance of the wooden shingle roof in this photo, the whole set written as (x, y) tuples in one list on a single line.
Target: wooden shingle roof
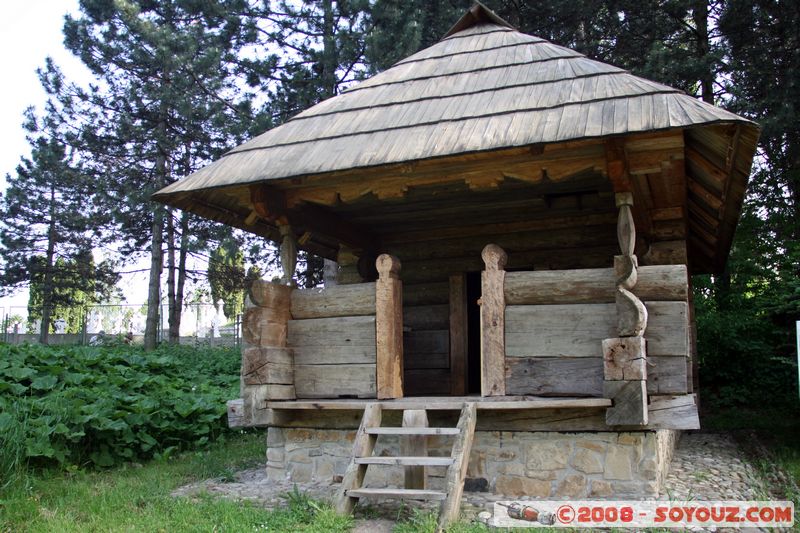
[(483, 87)]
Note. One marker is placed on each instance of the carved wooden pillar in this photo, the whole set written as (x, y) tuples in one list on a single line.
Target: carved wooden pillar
[(389, 328), (493, 322), (624, 357), (288, 250)]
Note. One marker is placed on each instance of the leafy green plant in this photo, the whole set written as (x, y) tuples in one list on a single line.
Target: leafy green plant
[(107, 405)]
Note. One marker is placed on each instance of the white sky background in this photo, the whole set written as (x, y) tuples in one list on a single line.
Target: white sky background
[(30, 30)]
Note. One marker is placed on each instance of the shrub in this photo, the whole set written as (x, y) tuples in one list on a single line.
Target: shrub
[(106, 405)]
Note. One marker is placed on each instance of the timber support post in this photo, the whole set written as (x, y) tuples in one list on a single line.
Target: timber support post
[(288, 253), (493, 328), (625, 357), (389, 328)]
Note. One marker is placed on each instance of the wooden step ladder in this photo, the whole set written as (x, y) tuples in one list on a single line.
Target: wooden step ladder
[(352, 488)]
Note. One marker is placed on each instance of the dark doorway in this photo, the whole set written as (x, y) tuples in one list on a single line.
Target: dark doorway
[(473, 333)]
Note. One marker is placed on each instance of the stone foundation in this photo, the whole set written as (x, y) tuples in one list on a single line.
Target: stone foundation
[(511, 463)]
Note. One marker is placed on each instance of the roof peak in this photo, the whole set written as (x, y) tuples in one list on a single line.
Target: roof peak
[(477, 14)]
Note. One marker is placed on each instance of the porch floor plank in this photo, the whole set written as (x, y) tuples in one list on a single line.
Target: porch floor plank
[(446, 403)]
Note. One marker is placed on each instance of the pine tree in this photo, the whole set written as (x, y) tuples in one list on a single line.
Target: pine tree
[(50, 222), (166, 103)]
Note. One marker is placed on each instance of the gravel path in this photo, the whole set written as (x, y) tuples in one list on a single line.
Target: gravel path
[(706, 466)]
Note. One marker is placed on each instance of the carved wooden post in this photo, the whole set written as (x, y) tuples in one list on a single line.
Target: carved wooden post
[(288, 251), (493, 322), (389, 328), (267, 366), (624, 357)]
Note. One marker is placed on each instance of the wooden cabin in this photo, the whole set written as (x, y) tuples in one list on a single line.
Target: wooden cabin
[(515, 227)]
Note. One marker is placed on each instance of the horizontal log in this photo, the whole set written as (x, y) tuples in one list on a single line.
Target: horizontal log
[(578, 330), (583, 376), (336, 331), (357, 299), (434, 270), (667, 375), (334, 355), (554, 376), (434, 341), (271, 373), (425, 293), (335, 381), (665, 253), (674, 412), (593, 285), (426, 317), (417, 382), (532, 240), (424, 360)]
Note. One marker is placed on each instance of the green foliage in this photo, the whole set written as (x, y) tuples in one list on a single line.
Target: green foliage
[(226, 275), (107, 405)]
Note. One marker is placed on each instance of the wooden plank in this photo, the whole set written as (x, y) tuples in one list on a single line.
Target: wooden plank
[(426, 317), (667, 375), (334, 381), (424, 361), (583, 376), (389, 328), (363, 445), (673, 412), (400, 494), (404, 461), (578, 330), (493, 306), (425, 381), (425, 293), (446, 403), (335, 331), (458, 334), (414, 444), (355, 299), (454, 482), (358, 353), (558, 376), (593, 285), (429, 342), (413, 430)]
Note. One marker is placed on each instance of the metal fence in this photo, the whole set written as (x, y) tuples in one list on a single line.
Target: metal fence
[(201, 324)]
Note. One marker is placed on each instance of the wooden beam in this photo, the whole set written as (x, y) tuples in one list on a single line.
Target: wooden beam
[(270, 205), (493, 308), (389, 328), (458, 334), (414, 446)]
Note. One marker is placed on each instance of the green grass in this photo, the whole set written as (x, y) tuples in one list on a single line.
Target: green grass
[(137, 498)]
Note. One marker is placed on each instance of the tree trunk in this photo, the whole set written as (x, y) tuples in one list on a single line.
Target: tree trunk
[(154, 288), (152, 324), (700, 19), (173, 336), (182, 255), (47, 284)]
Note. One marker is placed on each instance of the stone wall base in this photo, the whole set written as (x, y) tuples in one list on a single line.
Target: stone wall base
[(595, 465)]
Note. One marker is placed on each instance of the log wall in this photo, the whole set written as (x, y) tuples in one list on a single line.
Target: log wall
[(331, 336), (555, 348)]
